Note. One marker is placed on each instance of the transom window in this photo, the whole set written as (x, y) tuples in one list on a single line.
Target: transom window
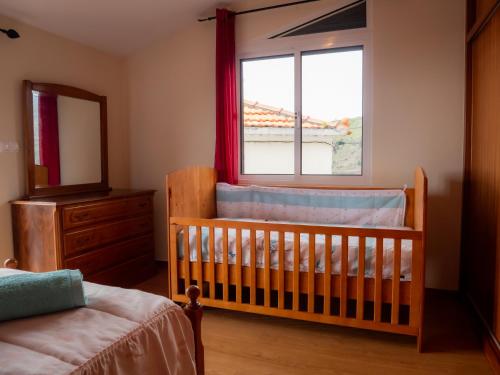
[(302, 114)]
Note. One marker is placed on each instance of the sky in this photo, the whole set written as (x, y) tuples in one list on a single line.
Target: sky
[(331, 83)]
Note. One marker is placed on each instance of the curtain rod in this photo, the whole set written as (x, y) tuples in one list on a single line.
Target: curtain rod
[(261, 9)]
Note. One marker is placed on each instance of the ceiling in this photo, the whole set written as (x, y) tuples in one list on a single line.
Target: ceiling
[(119, 27)]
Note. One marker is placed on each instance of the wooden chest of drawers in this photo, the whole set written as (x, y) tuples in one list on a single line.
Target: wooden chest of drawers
[(108, 236)]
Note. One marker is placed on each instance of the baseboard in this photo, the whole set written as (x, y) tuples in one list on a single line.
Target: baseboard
[(491, 346)]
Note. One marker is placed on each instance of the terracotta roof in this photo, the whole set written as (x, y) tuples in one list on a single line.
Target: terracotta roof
[(260, 115)]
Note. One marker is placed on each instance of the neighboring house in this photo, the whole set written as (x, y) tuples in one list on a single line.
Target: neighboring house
[(332, 147)]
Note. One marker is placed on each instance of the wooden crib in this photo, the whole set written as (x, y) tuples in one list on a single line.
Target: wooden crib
[(376, 303)]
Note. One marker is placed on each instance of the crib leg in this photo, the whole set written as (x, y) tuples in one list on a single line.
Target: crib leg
[(420, 341)]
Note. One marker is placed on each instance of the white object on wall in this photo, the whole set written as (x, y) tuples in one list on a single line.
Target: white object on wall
[(9, 146)]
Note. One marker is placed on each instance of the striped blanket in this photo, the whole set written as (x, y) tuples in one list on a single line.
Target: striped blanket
[(320, 206)]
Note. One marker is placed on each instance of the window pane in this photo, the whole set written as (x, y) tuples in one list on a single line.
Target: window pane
[(332, 108), (268, 115), (352, 17)]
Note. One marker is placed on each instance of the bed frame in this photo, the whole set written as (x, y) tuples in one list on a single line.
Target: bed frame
[(192, 309), (390, 305)]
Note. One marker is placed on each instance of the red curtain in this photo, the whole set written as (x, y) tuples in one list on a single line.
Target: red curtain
[(49, 136), (226, 142)]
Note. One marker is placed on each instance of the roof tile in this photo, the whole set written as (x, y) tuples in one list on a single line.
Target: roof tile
[(260, 115)]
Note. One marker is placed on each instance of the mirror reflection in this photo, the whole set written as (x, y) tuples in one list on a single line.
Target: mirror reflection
[(66, 139)]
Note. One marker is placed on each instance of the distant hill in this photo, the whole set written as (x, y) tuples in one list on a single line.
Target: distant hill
[(347, 157)]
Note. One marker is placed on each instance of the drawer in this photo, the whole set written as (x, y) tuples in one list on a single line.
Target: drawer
[(100, 235), (126, 274), (90, 214), (109, 256)]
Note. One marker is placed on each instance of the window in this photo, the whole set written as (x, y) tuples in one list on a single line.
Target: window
[(348, 17), (302, 114)]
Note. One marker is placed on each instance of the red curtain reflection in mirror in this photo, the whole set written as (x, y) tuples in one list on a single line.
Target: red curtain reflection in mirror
[(49, 136)]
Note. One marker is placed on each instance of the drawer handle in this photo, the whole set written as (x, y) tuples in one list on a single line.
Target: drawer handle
[(83, 240), (81, 216), (143, 204)]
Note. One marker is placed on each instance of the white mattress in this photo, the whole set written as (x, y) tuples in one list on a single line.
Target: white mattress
[(406, 249)]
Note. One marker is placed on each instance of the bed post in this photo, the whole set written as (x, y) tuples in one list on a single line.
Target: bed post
[(420, 223), (10, 263), (420, 219), (190, 192), (194, 312)]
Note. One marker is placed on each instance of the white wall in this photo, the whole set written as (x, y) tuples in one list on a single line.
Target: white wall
[(418, 79), (172, 112), (277, 157), (43, 57), (268, 157), (419, 89)]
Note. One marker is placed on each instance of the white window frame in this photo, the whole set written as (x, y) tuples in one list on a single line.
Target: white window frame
[(296, 46)]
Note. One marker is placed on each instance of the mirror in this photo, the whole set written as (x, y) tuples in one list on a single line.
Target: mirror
[(65, 131)]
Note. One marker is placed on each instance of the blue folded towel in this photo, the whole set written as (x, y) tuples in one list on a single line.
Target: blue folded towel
[(28, 294)]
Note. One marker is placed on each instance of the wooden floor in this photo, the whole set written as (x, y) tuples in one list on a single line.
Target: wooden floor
[(238, 343)]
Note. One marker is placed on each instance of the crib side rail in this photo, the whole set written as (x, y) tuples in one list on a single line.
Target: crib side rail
[(409, 234), (301, 284)]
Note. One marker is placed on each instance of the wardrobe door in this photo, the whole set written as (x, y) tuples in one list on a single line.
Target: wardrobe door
[(482, 190)]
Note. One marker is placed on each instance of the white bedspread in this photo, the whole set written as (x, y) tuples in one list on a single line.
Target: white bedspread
[(121, 331)]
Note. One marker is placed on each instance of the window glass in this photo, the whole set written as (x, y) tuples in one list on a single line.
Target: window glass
[(268, 115), (332, 110)]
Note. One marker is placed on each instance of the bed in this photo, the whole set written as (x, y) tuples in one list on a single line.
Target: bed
[(257, 261), (120, 331)]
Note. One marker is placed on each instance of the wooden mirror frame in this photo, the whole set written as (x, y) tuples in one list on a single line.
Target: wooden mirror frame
[(37, 192)]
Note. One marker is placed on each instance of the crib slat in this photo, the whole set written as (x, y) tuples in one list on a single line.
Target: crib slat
[(296, 270), (211, 250), (281, 271), (360, 296), (225, 281), (396, 273), (343, 276), (187, 276), (173, 260), (238, 266), (417, 283), (310, 272), (379, 260), (199, 260), (253, 266), (267, 268), (328, 274)]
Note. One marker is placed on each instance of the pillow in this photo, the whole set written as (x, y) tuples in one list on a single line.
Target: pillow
[(27, 294)]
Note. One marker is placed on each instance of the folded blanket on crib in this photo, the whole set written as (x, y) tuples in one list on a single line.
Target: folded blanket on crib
[(320, 206), (29, 294)]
